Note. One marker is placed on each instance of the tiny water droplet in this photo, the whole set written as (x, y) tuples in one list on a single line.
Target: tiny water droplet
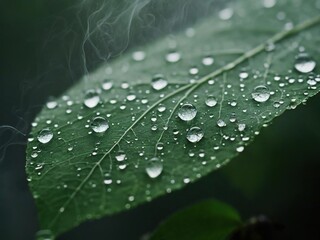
[(304, 63), (195, 134), (91, 98), (139, 56), (121, 156), (241, 127), (159, 82), (260, 94), (207, 61), (99, 125), (45, 136), (107, 180), (154, 167), (52, 104), (269, 3), (240, 149), (221, 123), (173, 57), (211, 101), (226, 14), (187, 112), (106, 85)]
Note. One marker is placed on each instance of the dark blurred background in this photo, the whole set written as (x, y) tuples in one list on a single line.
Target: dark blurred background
[(42, 55)]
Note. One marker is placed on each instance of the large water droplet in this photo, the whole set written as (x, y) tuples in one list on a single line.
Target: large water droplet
[(221, 123), (260, 94), (91, 98), (226, 14), (154, 167), (159, 82), (304, 63), (195, 134), (211, 101), (99, 125), (45, 136), (187, 112)]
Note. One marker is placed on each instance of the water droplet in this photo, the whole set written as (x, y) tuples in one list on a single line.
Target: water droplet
[(173, 57), (187, 112), (243, 75), (160, 146), (131, 97), (107, 180), (207, 61), (159, 82), (139, 56), (221, 123), (195, 134), (226, 14), (240, 149), (99, 125), (269, 3), (106, 85), (121, 156), (260, 94), (154, 167), (52, 104), (44, 235), (241, 127), (211, 101), (194, 71), (45, 136), (311, 82), (91, 98), (304, 63), (161, 108)]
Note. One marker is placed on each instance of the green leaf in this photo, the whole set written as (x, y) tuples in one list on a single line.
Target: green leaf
[(209, 220), (80, 174)]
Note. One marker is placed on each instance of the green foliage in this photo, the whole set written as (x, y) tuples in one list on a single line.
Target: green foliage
[(238, 73), (209, 220)]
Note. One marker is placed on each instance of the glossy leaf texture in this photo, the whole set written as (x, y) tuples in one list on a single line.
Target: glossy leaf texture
[(207, 220), (168, 113)]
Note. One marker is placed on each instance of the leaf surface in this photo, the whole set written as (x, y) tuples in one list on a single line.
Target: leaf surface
[(80, 174)]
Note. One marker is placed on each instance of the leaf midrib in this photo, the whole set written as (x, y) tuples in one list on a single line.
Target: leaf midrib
[(192, 86)]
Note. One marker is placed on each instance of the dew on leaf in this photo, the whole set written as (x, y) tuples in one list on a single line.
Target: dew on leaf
[(195, 134), (138, 56), (131, 97), (207, 61), (240, 149), (211, 101), (51, 104), (45, 136), (99, 125), (241, 127), (221, 123), (91, 98), (106, 84), (260, 94), (107, 179), (154, 167), (161, 108), (304, 63), (173, 57), (193, 70), (159, 82), (226, 14), (121, 156), (187, 112)]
